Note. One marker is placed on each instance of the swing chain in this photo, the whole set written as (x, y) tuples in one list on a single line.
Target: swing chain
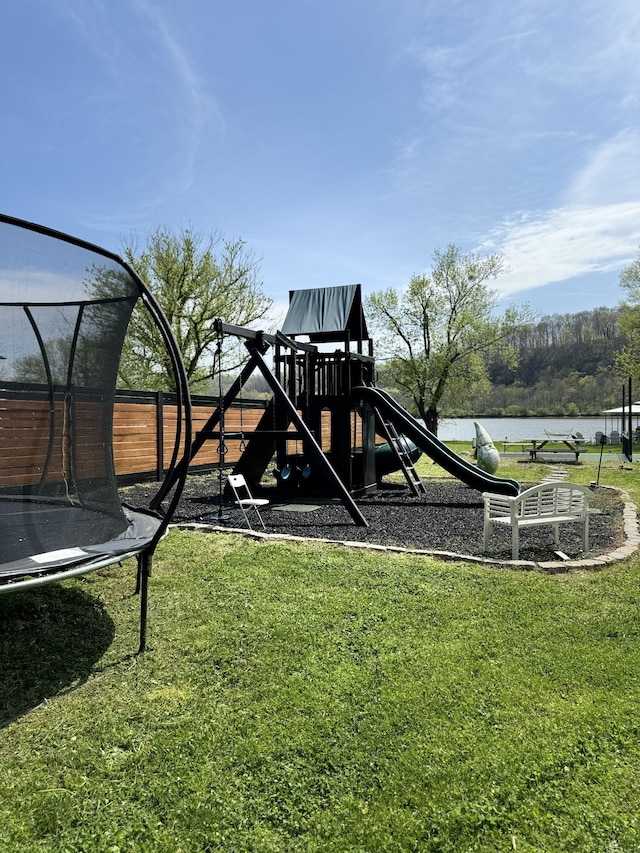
[(243, 443), (222, 447)]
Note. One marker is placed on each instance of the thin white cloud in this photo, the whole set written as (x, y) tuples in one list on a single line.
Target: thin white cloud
[(142, 52), (611, 172), (94, 23), (276, 315), (533, 91), (202, 104), (565, 243), (508, 76), (596, 230), (198, 106)]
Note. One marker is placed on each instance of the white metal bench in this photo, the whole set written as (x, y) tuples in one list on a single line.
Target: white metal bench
[(552, 503)]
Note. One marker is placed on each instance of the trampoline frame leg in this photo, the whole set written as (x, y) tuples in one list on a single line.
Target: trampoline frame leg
[(142, 586)]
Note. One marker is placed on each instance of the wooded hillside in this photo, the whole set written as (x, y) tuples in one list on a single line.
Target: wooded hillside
[(565, 367)]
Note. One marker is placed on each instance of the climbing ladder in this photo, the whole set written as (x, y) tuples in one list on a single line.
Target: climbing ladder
[(400, 447)]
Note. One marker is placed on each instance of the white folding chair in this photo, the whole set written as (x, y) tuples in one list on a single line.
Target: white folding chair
[(245, 499)]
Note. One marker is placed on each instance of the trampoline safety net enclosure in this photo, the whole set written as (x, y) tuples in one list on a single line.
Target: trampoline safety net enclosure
[(64, 311)]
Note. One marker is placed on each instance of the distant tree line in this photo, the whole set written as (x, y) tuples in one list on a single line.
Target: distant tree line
[(566, 365)]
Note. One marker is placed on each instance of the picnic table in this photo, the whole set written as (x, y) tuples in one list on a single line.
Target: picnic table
[(539, 445)]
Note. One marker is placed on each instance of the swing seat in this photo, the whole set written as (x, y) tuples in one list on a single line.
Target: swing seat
[(244, 499)]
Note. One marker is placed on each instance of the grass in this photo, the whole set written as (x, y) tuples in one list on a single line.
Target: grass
[(314, 698)]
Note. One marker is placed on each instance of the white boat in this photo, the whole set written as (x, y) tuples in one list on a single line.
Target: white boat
[(575, 437)]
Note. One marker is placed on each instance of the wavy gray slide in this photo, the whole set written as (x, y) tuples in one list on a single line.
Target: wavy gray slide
[(433, 447)]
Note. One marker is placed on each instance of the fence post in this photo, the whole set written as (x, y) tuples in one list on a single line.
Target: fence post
[(159, 436)]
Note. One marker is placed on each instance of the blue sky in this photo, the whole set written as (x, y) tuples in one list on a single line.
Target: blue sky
[(345, 140)]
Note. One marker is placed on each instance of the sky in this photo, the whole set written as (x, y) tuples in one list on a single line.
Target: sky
[(344, 140)]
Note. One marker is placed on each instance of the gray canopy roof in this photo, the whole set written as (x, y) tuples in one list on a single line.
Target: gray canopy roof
[(326, 314)]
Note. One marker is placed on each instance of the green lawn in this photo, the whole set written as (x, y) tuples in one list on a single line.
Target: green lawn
[(314, 698)]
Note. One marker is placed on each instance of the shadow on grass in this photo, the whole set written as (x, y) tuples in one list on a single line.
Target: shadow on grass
[(50, 639)]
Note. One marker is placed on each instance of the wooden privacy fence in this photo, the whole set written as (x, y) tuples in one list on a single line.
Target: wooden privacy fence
[(35, 434), (144, 428), (39, 432), (52, 438), (145, 424)]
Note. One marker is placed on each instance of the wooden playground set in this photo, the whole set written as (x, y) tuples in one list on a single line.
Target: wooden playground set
[(327, 429)]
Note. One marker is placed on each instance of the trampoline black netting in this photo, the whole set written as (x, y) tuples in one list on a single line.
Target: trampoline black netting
[(64, 311)]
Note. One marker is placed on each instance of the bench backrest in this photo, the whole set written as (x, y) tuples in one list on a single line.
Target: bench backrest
[(552, 499)]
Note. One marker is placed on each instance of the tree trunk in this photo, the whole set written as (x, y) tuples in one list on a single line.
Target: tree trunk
[(431, 419)]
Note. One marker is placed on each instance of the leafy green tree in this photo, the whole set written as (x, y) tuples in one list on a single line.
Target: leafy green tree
[(628, 359), (437, 335), (195, 279)]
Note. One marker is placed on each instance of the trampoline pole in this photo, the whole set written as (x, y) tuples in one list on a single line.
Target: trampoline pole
[(144, 570), (138, 574), (603, 439)]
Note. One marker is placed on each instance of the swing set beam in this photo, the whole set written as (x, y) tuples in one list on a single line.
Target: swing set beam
[(223, 328)]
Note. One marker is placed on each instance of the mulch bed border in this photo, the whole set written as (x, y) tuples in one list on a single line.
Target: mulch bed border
[(631, 531)]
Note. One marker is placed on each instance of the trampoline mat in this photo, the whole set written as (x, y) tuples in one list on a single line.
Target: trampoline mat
[(36, 536)]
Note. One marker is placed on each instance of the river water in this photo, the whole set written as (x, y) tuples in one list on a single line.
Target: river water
[(520, 429)]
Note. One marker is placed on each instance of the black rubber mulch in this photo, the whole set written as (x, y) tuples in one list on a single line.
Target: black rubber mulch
[(448, 518)]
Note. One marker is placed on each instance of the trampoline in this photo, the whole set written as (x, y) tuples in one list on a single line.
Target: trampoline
[(65, 306)]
